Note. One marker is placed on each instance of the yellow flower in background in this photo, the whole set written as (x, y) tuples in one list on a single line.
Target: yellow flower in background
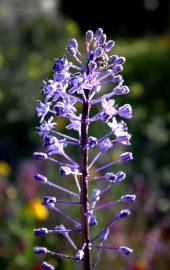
[(36, 209), (5, 169), (72, 27)]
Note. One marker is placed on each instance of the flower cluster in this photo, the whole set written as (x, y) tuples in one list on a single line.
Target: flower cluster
[(79, 82)]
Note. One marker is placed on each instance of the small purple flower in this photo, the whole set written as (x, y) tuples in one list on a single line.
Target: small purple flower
[(40, 178), (104, 234), (49, 201), (40, 250), (65, 170), (46, 127), (125, 250), (73, 43), (74, 124), (42, 109), (79, 255), (77, 83), (40, 155), (93, 220), (55, 147), (89, 36), (128, 198), (61, 64), (120, 61), (123, 213), (126, 156), (125, 111), (120, 90), (111, 177), (92, 141), (105, 145), (47, 266), (108, 107), (109, 45), (40, 231), (120, 176)]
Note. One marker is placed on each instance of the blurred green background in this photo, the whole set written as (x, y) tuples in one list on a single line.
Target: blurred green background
[(32, 34)]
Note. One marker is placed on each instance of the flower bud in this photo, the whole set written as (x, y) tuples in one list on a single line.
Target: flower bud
[(112, 59), (116, 69), (65, 170), (128, 198), (73, 43), (98, 33), (79, 255), (47, 266), (111, 177), (40, 155), (40, 178), (123, 213), (40, 250), (125, 111), (109, 45), (117, 79), (102, 40), (104, 234), (92, 141), (126, 156), (121, 90), (89, 36), (71, 51), (120, 176), (120, 61), (93, 220), (40, 231), (98, 52), (49, 201), (125, 250)]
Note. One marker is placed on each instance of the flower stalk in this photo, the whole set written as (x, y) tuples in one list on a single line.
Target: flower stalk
[(84, 182), (71, 94)]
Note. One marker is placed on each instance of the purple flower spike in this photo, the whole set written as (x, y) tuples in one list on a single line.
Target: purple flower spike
[(47, 266), (80, 82)]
